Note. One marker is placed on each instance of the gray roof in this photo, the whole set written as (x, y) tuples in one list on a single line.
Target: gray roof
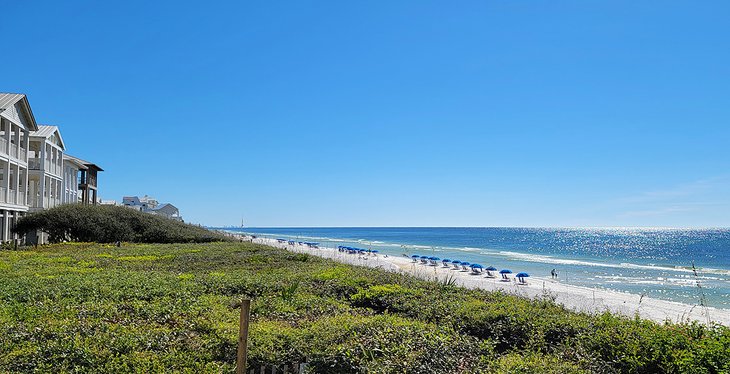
[(76, 161), (45, 131), (7, 100)]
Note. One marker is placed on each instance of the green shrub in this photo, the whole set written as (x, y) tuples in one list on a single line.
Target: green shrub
[(108, 224)]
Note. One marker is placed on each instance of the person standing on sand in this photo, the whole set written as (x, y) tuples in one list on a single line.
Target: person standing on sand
[(553, 274)]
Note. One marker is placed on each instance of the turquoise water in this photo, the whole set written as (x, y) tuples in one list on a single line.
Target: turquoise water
[(653, 262)]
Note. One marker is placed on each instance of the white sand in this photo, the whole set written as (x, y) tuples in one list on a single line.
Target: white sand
[(591, 300)]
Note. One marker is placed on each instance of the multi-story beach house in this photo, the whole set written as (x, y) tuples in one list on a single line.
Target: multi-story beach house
[(45, 164), (87, 179), (35, 172), (71, 170), (16, 123)]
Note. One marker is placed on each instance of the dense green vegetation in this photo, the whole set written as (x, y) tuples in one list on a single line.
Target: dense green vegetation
[(153, 308), (109, 224)]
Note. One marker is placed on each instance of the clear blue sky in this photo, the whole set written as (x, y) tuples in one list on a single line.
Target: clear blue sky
[(390, 113)]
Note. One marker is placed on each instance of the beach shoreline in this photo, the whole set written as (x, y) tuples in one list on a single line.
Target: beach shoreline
[(577, 298)]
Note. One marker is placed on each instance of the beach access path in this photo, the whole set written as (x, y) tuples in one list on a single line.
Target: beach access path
[(582, 299)]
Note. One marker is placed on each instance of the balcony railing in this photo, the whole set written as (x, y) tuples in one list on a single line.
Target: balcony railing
[(52, 168), (34, 163), (14, 150), (3, 195), (35, 202), (3, 146), (12, 197), (23, 155)]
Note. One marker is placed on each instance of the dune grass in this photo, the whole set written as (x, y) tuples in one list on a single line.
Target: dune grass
[(166, 308)]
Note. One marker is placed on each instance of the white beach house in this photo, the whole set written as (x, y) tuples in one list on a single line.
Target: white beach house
[(45, 164), (86, 174), (35, 172), (71, 169), (16, 123)]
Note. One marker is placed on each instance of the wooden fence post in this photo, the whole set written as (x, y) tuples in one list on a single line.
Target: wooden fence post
[(243, 337)]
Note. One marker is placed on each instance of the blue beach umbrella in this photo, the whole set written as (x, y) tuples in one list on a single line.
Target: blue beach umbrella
[(424, 257), (491, 268), (522, 275), (415, 256), (456, 262), (505, 271), (434, 258), (446, 260), (476, 266), (375, 251), (465, 263)]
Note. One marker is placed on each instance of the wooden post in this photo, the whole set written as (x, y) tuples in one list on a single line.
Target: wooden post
[(243, 337)]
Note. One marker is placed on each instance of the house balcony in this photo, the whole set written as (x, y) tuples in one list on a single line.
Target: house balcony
[(13, 197), (14, 150), (48, 202), (34, 163), (35, 202), (53, 168), (22, 154), (3, 146)]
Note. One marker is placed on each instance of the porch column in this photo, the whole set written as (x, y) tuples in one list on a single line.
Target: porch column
[(4, 226), (26, 184), (6, 169)]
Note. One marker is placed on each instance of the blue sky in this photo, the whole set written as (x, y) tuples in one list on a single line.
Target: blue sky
[(390, 113)]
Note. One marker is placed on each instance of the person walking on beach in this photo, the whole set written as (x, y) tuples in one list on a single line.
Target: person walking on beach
[(553, 274)]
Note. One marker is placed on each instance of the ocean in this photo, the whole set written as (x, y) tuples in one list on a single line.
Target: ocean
[(655, 262)]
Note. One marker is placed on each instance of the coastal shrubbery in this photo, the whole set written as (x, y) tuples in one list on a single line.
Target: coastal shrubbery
[(108, 224), (152, 308)]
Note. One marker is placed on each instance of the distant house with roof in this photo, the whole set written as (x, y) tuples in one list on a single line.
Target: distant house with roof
[(150, 205)]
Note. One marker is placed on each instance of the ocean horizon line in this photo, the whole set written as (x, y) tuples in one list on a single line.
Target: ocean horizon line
[(484, 227)]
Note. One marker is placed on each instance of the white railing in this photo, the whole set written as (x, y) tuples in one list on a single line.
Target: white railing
[(23, 155), (3, 146), (20, 200), (53, 168), (35, 202), (34, 163), (14, 150), (3, 195), (12, 197)]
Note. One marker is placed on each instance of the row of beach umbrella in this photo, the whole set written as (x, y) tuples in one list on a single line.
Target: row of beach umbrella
[(426, 260), (353, 250), (292, 242), (475, 268)]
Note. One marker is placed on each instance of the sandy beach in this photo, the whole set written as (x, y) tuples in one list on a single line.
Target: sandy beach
[(583, 299)]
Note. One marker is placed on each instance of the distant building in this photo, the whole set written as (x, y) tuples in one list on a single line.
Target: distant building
[(150, 205)]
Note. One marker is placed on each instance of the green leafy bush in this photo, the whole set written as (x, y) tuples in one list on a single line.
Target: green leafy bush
[(108, 224)]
